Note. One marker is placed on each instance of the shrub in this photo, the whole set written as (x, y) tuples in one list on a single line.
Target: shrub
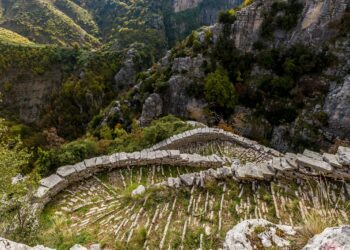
[(70, 153), (219, 90), (282, 85), (227, 17), (195, 90), (141, 138), (283, 16)]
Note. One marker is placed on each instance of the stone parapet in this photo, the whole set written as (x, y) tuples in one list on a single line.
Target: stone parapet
[(66, 175), (209, 134)]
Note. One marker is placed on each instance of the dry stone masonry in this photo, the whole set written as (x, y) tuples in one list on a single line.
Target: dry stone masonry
[(198, 185), (66, 175), (308, 164)]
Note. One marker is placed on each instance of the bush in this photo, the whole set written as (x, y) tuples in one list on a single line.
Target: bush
[(282, 85), (283, 16), (70, 153), (227, 17), (219, 90)]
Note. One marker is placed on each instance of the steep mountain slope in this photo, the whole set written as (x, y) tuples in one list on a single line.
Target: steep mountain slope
[(117, 38), (8, 36), (42, 22), (287, 64), (87, 23)]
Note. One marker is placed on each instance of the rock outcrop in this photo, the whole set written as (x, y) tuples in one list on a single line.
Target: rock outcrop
[(152, 109), (337, 107), (243, 235), (127, 74), (331, 238), (181, 5), (25, 94), (314, 27), (11, 245), (186, 70)]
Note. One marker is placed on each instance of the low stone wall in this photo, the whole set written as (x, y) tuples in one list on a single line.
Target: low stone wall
[(290, 166), (209, 134), (281, 166), (67, 175)]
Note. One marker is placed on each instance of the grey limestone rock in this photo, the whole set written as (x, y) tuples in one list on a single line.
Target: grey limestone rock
[(78, 247), (343, 156), (318, 165), (66, 171), (337, 107), (138, 191), (51, 181), (187, 179), (331, 238), (331, 159), (11, 245), (152, 108), (173, 182), (238, 237), (126, 75)]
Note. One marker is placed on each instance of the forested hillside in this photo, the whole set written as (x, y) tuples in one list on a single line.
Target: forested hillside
[(61, 58)]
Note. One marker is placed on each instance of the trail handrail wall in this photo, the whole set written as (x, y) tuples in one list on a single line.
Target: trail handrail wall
[(287, 166), (209, 134), (290, 166), (69, 174)]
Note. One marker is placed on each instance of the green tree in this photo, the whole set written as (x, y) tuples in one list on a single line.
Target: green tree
[(13, 157), (15, 212), (219, 90), (227, 17)]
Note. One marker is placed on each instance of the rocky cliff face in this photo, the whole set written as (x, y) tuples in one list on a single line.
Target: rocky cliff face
[(313, 28), (181, 5), (117, 24), (25, 94)]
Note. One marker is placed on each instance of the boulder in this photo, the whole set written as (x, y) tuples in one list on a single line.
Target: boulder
[(173, 182), (244, 235), (11, 245), (138, 191), (95, 247), (331, 238), (187, 179), (18, 178), (78, 247)]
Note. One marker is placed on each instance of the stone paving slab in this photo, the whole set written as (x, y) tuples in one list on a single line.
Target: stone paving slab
[(343, 156), (314, 164), (332, 159)]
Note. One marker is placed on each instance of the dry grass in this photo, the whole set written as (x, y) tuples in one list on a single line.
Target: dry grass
[(313, 225)]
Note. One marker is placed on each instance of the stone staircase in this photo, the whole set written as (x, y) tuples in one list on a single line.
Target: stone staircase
[(198, 185)]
